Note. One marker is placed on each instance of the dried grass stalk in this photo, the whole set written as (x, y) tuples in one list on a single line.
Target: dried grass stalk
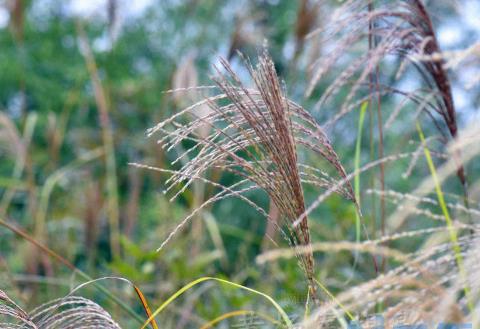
[(255, 135)]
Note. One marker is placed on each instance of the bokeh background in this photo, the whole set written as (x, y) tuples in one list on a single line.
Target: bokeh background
[(81, 81)]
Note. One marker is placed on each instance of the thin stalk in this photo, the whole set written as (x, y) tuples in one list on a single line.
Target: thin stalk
[(373, 77), (440, 76), (144, 302), (334, 299), (451, 228), (108, 142), (371, 118)]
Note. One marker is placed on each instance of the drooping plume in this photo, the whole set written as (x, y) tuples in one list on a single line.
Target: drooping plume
[(255, 134)]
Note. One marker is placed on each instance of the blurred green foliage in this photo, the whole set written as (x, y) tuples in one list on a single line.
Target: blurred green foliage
[(43, 72)]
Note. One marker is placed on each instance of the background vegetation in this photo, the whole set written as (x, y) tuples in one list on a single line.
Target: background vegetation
[(80, 86)]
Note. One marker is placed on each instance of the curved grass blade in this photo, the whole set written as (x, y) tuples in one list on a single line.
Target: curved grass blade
[(232, 314), (451, 228), (222, 317), (333, 298), (280, 310), (144, 302), (50, 182), (356, 180)]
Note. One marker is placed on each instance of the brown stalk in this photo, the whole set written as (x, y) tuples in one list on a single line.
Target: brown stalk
[(108, 141), (91, 216), (373, 77), (135, 179), (17, 13), (306, 17), (440, 77)]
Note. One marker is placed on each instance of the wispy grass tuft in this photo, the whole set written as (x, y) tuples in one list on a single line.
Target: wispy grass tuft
[(255, 135)]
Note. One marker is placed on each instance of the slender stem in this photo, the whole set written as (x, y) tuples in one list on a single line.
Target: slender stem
[(451, 228), (374, 81), (108, 142)]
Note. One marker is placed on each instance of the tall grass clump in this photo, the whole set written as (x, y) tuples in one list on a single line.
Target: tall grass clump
[(402, 30)]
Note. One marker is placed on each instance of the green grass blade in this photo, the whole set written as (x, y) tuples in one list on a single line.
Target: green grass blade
[(334, 299), (212, 323), (443, 205), (232, 284), (356, 181), (50, 183)]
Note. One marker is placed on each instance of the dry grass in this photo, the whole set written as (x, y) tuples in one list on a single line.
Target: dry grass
[(256, 137), (426, 289)]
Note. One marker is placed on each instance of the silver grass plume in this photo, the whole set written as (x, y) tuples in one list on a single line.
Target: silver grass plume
[(255, 134), (65, 313)]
